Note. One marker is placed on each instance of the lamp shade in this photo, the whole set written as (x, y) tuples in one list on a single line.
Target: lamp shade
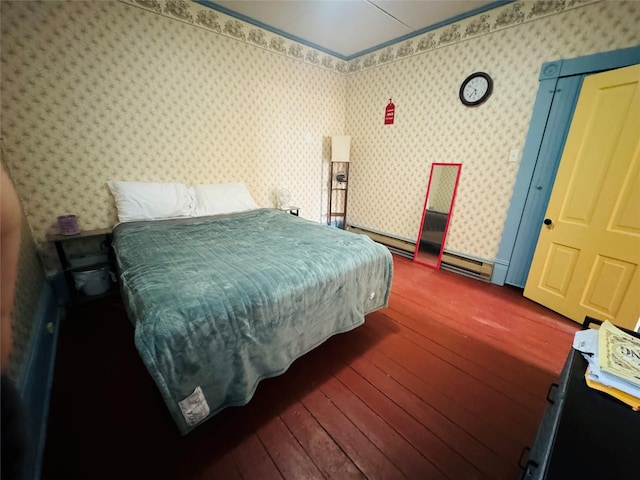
[(340, 148)]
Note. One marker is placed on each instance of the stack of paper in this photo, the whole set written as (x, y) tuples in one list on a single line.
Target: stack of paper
[(614, 362)]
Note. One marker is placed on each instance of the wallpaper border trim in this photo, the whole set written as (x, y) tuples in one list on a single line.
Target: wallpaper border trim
[(204, 17), (502, 17)]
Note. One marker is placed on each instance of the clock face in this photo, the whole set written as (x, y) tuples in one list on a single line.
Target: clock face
[(476, 89)]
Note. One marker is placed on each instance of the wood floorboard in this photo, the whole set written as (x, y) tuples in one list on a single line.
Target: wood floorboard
[(453, 380), (447, 382), (457, 387), (429, 404), (422, 424), (324, 404), (396, 448), (433, 448), (442, 338), (258, 464), (502, 335), (478, 310), (438, 451), (286, 452), (365, 455), (328, 456), (304, 376), (476, 364)]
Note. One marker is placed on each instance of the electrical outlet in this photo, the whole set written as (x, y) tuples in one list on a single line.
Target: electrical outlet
[(513, 155)]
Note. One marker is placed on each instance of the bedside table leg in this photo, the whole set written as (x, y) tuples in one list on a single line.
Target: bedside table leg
[(68, 276)]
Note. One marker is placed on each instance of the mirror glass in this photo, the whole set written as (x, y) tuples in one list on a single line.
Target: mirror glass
[(438, 207)]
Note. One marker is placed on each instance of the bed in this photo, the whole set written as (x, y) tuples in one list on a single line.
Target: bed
[(220, 302)]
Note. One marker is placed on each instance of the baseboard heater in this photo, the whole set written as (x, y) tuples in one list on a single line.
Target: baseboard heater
[(470, 267), (479, 269), (395, 245)]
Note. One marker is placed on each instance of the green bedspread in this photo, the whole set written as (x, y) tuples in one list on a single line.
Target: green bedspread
[(220, 303)]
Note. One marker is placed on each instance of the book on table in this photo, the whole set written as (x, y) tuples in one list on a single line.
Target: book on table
[(619, 353)]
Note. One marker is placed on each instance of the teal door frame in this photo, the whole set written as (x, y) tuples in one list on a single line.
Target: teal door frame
[(558, 91)]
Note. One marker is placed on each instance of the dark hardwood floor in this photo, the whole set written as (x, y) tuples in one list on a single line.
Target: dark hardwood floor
[(448, 382)]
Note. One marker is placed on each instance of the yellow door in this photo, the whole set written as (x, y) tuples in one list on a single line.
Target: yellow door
[(587, 259)]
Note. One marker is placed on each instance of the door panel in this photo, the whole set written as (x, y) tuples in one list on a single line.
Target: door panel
[(587, 259), (608, 284), (560, 265)]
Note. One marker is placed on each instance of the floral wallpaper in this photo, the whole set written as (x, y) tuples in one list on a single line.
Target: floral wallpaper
[(171, 90), (390, 163), (94, 91)]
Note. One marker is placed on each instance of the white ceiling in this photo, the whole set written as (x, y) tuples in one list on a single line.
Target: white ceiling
[(350, 28)]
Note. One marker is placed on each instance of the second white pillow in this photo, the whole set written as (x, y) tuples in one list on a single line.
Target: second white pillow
[(219, 198)]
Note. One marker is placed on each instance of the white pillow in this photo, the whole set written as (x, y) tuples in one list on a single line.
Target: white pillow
[(219, 198), (149, 201)]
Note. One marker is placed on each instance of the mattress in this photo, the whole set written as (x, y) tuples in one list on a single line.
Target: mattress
[(220, 303)]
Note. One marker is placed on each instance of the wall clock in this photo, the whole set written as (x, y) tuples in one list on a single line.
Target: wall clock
[(475, 89)]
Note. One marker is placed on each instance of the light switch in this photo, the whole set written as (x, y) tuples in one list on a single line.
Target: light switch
[(514, 154)]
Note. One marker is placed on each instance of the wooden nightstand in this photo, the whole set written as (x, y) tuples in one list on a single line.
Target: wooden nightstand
[(60, 241)]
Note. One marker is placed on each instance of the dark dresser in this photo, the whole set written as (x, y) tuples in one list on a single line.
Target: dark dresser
[(584, 434)]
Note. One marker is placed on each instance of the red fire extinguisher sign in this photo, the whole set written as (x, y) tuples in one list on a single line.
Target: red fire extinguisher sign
[(389, 113)]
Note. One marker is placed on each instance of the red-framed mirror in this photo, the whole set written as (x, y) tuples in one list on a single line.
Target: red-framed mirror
[(436, 213)]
